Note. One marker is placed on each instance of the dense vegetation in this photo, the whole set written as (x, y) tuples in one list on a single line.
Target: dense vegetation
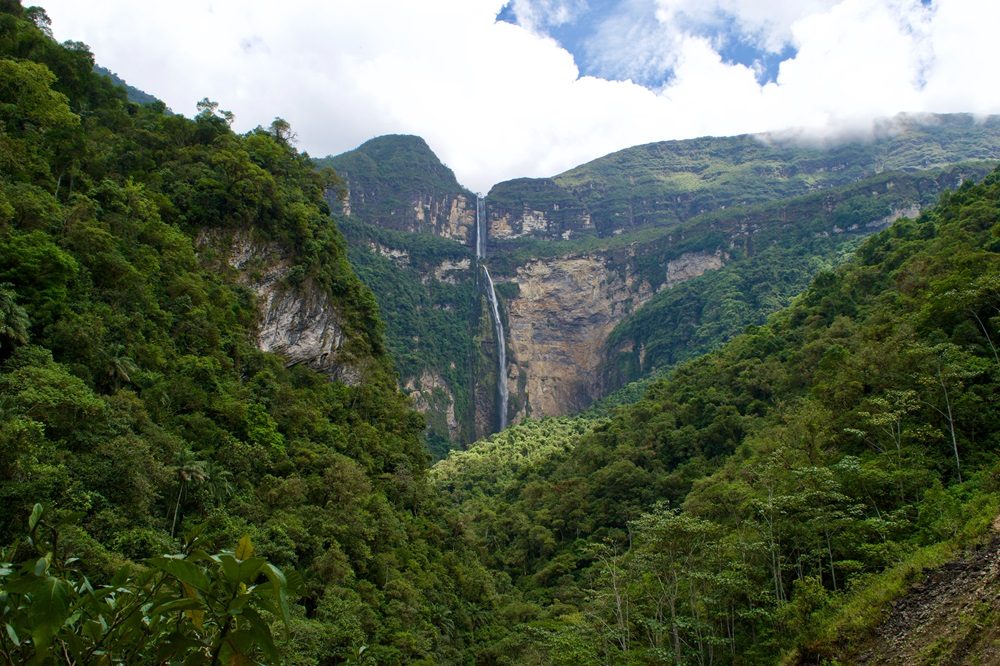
[(775, 250), (770, 497), (763, 502), (136, 405), (672, 181), (429, 298)]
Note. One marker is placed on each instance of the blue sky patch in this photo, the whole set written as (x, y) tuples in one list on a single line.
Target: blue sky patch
[(579, 36)]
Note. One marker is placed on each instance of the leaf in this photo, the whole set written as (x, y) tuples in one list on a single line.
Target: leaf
[(250, 569), (49, 609), (197, 616), (13, 635), (244, 549), (36, 515), (41, 566), (262, 634), (279, 590), (176, 605), (230, 567), (183, 571), (191, 535)]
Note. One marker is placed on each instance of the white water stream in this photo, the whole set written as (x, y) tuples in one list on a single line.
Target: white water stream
[(503, 392)]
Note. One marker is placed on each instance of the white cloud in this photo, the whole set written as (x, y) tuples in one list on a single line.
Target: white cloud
[(497, 101), (768, 22), (535, 15)]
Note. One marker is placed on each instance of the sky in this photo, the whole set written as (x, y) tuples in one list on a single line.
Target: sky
[(503, 89)]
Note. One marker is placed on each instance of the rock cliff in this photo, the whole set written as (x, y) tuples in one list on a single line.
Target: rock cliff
[(669, 182), (560, 320), (299, 322), (397, 182)]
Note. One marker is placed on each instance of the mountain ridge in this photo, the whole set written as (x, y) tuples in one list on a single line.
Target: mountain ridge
[(837, 194)]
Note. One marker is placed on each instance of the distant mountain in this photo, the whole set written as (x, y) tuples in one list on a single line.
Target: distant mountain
[(672, 181), (620, 268), (397, 182)]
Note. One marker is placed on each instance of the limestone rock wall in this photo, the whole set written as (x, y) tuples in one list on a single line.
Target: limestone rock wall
[(298, 322), (561, 318)]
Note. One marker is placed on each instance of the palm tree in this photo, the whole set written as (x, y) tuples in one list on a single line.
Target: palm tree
[(188, 470), (120, 368), (218, 478)]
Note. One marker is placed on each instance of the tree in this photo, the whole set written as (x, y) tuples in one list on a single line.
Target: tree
[(14, 322)]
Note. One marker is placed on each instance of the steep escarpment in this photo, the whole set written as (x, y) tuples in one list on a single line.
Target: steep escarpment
[(775, 250), (591, 303), (560, 316), (397, 182), (672, 181)]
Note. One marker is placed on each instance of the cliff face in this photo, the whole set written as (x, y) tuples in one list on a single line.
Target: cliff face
[(397, 182), (300, 322), (674, 181), (589, 264), (561, 318)]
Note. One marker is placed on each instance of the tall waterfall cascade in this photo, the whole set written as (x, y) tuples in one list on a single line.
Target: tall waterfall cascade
[(503, 392)]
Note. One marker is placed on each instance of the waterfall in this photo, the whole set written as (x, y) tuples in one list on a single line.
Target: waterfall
[(503, 393), (502, 389), (480, 226)]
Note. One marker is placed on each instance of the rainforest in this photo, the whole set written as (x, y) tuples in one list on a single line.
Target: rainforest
[(715, 401)]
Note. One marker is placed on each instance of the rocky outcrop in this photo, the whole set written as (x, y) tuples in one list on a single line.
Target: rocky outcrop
[(300, 322), (451, 272), (431, 396), (563, 313), (691, 265)]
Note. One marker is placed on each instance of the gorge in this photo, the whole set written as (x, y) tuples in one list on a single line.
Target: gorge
[(621, 267), (746, 393)]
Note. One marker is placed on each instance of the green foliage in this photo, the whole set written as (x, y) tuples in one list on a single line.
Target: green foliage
[(673, 181), (135, 404), (811, 466), (193, 606), (430, 322)]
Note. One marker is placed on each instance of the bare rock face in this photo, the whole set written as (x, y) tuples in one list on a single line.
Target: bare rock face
[(298, 322), (691, 265), (560, 320), (449, 217)]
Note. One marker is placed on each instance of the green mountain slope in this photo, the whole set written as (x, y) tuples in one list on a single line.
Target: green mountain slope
[(671, 181), (389, 177), (774, 496), (133, 94), (136, 404)]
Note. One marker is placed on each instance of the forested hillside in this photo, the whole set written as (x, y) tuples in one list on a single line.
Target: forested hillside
[(770, 498), (174, 494), (710, 235), (672, 181), (136, 405)]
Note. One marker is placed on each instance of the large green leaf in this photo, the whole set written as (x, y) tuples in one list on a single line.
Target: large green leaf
[(184, 571), (50, 602)]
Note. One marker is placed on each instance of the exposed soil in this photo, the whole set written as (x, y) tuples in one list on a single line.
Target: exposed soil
[(952, 616)]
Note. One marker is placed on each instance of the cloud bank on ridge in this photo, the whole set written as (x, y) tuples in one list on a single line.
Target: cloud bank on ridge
[(497, 99)]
